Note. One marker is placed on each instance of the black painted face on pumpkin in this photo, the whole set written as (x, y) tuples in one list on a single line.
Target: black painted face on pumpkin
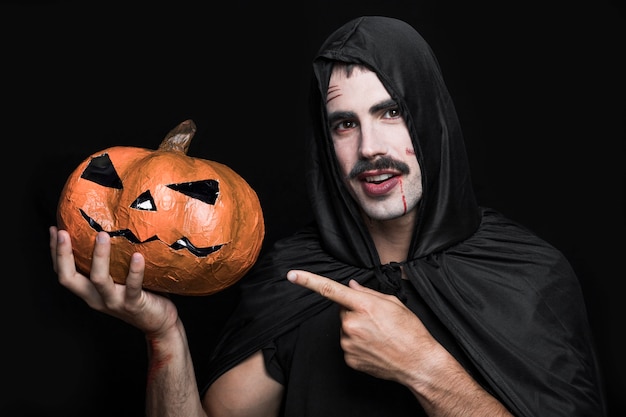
[(101, 171)]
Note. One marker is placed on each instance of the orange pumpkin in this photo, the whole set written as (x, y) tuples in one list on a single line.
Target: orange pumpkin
[(197, 222)]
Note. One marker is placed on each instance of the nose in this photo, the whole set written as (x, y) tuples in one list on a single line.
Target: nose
[(372, 141)]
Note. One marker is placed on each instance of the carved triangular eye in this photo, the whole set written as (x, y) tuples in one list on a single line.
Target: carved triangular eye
[(101, 171), (206, 190), (144, 202)]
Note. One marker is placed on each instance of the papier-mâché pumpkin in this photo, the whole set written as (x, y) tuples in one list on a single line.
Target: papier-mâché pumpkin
[(198, 223)]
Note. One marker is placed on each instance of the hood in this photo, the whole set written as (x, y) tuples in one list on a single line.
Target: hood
[(410, 72)]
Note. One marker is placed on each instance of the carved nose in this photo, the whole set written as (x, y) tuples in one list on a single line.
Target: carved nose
[(144, 202)]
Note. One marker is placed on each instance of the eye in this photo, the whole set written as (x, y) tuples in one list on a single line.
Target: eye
[(344, 125), (206, 190), (392, 113), (101, 171)]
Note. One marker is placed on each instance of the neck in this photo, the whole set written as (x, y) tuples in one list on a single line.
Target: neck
[(392, 238)]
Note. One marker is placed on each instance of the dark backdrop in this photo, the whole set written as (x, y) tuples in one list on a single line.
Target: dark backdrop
[(538, 87)]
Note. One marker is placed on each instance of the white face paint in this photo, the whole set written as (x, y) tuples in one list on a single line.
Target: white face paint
[(367, 128)]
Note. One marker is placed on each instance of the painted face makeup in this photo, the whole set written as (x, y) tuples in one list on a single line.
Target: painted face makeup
[(373, 146)]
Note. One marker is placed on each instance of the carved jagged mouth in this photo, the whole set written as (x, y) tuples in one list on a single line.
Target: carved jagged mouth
[(181, 243)]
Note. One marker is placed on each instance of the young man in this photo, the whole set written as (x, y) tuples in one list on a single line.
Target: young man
[(403, 298)]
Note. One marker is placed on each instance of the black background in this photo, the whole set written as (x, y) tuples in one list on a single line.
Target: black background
[(538, 87)]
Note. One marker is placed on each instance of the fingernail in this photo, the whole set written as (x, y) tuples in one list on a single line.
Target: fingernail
[(135, 257), (291, 276)]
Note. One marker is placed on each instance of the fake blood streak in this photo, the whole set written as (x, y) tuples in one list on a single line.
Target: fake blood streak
[(408, 152), (158, 360), (403, 196)]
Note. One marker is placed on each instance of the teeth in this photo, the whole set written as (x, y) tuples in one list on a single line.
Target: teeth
[(378, 178)]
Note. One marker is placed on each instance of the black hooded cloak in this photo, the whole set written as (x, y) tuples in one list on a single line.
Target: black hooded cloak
[(504, 302)]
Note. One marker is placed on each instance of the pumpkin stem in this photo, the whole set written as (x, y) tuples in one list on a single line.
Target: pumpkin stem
[(179, 138)]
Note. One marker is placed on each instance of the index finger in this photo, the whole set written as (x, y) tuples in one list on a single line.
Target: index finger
[(326, 287)]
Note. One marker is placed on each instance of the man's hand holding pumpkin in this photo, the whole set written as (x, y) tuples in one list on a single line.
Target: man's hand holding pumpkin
[(149, 312)]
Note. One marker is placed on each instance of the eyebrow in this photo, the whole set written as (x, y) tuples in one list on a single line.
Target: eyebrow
[(342, 115), (383, 105)]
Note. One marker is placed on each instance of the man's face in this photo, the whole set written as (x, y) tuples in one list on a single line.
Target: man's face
[(373, 146)]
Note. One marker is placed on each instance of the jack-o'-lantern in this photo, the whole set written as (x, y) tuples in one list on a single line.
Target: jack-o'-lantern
[(198, 223)]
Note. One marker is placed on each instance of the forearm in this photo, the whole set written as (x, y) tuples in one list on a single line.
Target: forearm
[(171, 386), (447, 390)]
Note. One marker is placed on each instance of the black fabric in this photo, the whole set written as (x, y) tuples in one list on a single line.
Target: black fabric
[(321, 384), (309, 358), (504, 302)]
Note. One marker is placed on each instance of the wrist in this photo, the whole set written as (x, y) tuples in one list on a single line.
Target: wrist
[(167, 336), (436, 375)]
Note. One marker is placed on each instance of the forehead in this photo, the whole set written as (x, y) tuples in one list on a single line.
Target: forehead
[(359, 88)]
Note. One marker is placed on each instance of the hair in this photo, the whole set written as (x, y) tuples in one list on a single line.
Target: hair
[(349, 67)]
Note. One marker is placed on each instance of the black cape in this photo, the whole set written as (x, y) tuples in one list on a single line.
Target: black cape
[(503, 301)]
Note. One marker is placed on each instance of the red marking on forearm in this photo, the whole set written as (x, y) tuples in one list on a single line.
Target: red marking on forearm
[(157, 360)]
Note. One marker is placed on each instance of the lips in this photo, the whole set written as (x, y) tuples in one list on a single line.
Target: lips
[(379, 183)]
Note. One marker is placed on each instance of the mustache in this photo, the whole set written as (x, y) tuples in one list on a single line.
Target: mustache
[(384, 162)]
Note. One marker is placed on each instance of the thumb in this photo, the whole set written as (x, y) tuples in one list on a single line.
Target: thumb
[(358, 287)]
